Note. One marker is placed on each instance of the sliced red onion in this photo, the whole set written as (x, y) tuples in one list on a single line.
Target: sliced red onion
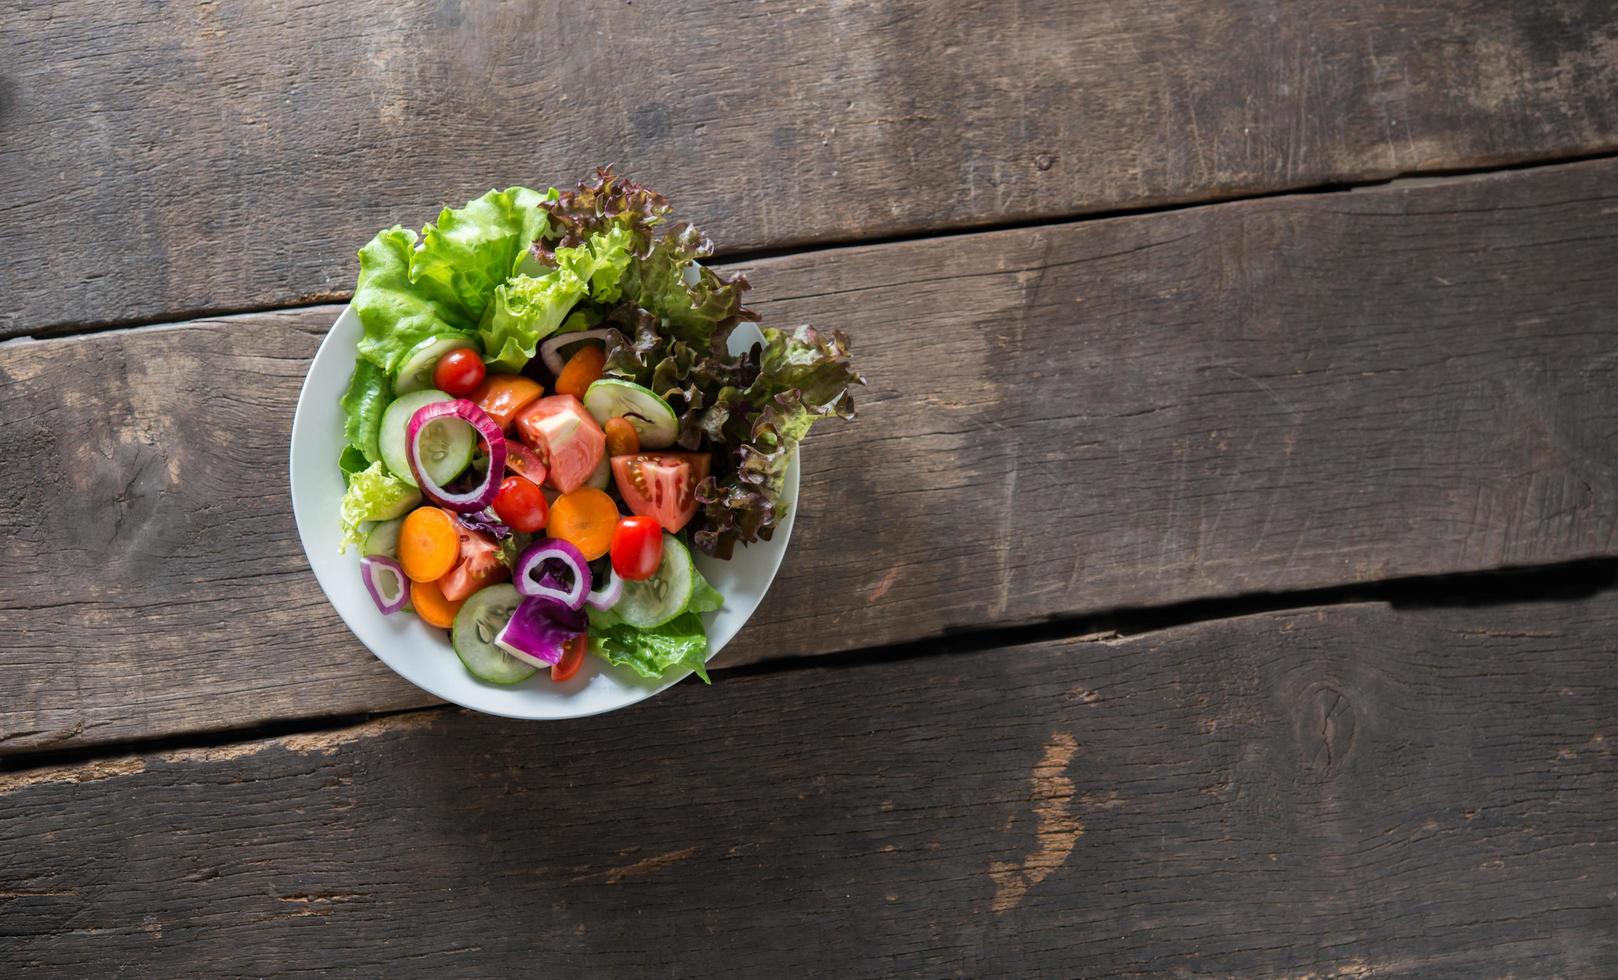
[(462, 410), (487, 521), (377, 571), (539, 629), (553, 569), (608, 595), (551, 350), (525, 462)]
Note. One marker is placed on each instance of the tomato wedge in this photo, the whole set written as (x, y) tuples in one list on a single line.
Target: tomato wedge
[(479, 565), (662, 486)]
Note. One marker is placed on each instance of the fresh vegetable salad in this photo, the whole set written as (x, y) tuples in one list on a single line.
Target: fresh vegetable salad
[(544, 420)]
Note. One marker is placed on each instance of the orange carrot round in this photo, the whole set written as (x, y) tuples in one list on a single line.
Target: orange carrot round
[(585, 518), (429, 544), (581, 371), (431, 606), (622, 439)]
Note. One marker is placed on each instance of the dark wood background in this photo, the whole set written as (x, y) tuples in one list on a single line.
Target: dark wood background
[(1218, 580)]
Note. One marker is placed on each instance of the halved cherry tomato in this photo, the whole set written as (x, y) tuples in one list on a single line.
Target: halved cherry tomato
[(504, 395), (581, 371), (572, 658), (428, 544), (431, 606), (622, 439), (637, 548), (525, 462), (584, 518), (520, 504), (459, 372)]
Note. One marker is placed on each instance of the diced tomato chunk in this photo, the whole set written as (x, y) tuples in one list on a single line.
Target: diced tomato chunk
[(566, 437)]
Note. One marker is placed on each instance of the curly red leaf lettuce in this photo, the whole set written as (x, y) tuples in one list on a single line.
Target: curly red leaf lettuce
[(754, 409), (671, 322)]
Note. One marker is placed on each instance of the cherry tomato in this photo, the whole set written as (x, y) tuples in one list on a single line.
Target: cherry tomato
[(622, 440), (637, 548), (459, 372), (572, 657), (521, 505)]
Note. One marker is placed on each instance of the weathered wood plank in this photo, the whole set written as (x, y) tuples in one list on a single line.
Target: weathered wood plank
[(1269, 395), (1348, 791), (172, 159)]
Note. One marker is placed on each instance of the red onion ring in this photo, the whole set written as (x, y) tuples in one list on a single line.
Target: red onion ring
[(373, 569), (608, 595), (539, 629), (535, 574), (462, 410)]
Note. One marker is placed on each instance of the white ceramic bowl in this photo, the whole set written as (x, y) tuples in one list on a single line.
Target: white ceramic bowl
[(421, 654)]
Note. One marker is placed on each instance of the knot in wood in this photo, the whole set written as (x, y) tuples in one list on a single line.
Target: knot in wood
[(1325, 727)]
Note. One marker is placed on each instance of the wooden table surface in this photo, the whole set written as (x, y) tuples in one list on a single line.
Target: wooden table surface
[(1221, 577)]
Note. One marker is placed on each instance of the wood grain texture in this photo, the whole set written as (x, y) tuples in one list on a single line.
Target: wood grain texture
[(159, 160), (1271, 395), (1347, 792)]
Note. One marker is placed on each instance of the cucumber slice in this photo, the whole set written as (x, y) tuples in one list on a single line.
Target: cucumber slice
[(654, 421), (652, 602), (485, 614), (601, 476), (383, 539), (447, 449), (416, 372)]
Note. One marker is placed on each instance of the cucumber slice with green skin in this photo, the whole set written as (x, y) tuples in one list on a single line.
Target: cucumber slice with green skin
[(652, 602), (446, 448), (601, 476), (480, 619), (654, 421), (416, 373), (383, 539)]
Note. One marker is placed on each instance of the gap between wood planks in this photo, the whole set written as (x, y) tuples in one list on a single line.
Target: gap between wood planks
[(1539, 583), (1412, 177)]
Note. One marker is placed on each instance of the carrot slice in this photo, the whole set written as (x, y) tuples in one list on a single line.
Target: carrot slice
[(584, 518), (622, 439), (428, 544), (431, 606), (581, 371), (502, 396)]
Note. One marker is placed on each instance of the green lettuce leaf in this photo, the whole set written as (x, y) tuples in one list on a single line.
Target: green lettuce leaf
[(395, 312), (471, 250), (363, 403), (704, 597), (681, 643), (526, 310), (374, 495), (694, 303), (351, 461), (406, 295)]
